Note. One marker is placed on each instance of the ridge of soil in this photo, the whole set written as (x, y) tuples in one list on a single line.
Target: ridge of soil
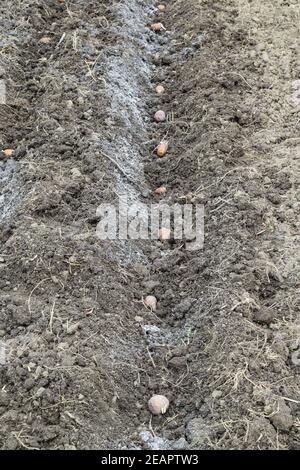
[(83, 353)]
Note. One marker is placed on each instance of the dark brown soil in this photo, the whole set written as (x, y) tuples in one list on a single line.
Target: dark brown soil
[(83, 353)]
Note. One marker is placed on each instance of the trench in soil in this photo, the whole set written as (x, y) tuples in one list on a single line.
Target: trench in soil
[(130, 84)]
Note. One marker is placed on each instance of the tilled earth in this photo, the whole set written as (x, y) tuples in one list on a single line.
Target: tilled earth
[(83, 353)]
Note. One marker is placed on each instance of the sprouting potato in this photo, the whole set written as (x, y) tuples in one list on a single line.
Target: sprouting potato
[(162, 149), (158, 404)]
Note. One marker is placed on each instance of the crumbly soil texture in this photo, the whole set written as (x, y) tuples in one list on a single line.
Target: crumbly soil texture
[(80, 353)]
